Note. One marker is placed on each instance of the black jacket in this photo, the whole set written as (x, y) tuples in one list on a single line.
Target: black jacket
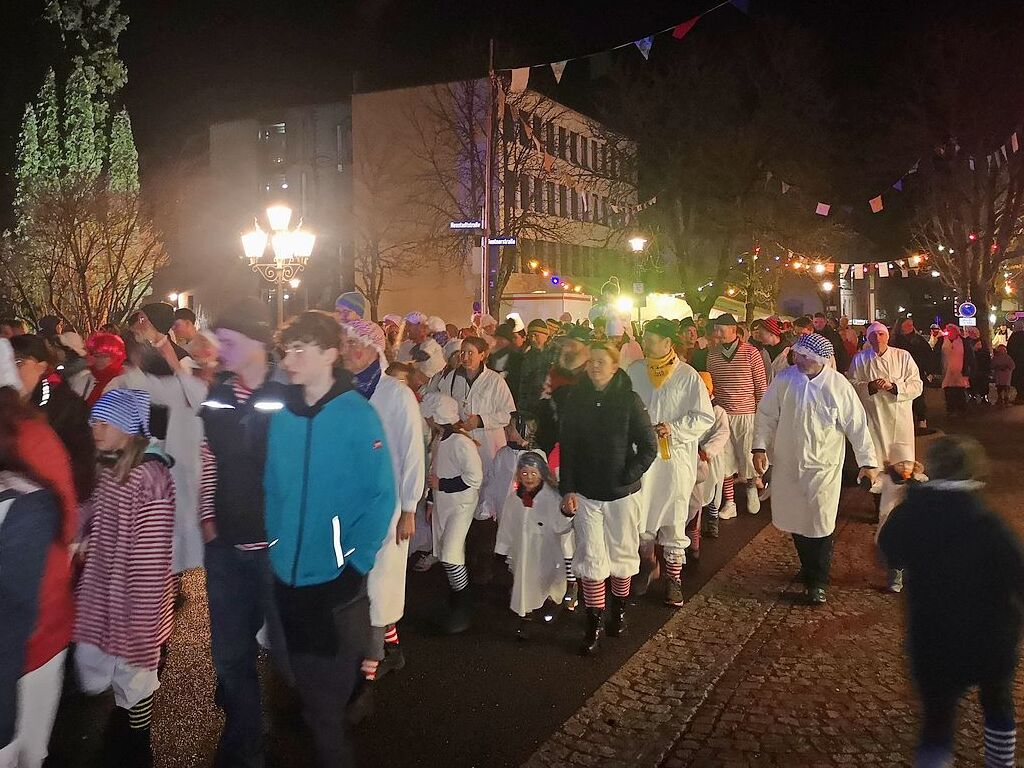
[(964, 573), (607, 441), (68, 416), (532, 372), (919, 349), (842, 358), (237, 436)]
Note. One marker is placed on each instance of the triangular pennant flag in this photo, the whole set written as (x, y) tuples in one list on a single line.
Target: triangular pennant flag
[(645, 44), (785, 187), (1014, 145), (743, 6), (898, 186), (1003, 150), (876, 204), (905, 272), (913, 169), (558, 67), (681, 30), (970, 163), (883, 269), (520, 79), (822, 209), (549, 162)]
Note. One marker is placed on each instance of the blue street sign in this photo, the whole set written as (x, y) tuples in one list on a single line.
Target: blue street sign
[(967, 309)]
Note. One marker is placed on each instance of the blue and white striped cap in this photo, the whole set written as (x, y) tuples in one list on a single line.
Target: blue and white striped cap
[(126, 409), (815, 346)]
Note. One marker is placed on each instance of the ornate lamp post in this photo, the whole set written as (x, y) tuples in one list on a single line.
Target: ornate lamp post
[(291, 248)]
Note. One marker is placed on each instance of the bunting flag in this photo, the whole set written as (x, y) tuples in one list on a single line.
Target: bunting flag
[(558, 67), (914, 168), (822, 209), (785, 187), (549, 162), (858, 271), (520, 79), (876, 204), (681, 30), (883, 269), (898, 186), (970, 163), (1003, 150), (904, 272), (1013, 142), (645, 44)]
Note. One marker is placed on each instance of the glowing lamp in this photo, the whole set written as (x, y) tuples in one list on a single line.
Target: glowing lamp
[(935, 273), (283, 244), (637, 243), (294, 283), (279, 217), (624, 304), (827, 286), (534, 263), (172, 297), (254, 244), (302, 243), (819, 269), (555, 280)]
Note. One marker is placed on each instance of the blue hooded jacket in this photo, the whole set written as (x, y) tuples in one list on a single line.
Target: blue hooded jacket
[(329, 485)]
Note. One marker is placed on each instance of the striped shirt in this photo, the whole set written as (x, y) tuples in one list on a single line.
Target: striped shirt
[(208, 473), (124, 601), (740, 382)]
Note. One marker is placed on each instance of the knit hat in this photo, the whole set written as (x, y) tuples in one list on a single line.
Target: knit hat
[(772, 325), (395, 320), (8, 368), (73, 341), (539, 326), (724, 319), (706, 378), (659, 326), (366, 333), (536, 461), (554, 327), (126, 409), (109, 344), (352, 301), (814, 346), (48, 325), (436, 325), (415, 318), (579, 333), (249, 318), (161, 315), (875, 327)]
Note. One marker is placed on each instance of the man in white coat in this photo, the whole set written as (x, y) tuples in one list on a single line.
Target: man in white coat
[(887, 381), (420, 349), (680, 410), (362, 354), (802, 424)]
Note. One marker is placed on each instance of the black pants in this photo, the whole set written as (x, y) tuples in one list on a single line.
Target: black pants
[(815, 558), (939, 705), (956, 400), (920, 409)]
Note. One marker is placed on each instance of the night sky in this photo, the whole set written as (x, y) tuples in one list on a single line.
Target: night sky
[(193, 61)]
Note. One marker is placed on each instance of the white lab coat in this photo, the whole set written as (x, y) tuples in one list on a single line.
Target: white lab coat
[(429, 346), (399, 412), (181, 394), (531, 538), (802, 422), (890, 417), (710, 473), (455, 456), (500, 481), (682, 402), (489, 398)]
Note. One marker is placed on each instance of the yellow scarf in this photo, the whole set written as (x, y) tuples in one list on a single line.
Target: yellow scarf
[(659, 369)]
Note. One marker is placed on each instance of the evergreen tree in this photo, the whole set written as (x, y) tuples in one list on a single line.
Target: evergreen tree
[(48, 114), (81, 159), (123, 175)]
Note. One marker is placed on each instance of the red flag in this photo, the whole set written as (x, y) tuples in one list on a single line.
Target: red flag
[(681, 30)]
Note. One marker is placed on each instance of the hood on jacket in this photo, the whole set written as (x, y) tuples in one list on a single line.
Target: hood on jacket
[(297, 403)]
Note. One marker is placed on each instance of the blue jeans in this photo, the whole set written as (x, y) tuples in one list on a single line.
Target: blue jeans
[(239, 587)]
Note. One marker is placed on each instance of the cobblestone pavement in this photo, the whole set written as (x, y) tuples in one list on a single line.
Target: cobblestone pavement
[(745, 675)]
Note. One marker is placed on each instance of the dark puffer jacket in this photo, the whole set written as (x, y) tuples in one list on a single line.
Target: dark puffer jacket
[(607, 441)]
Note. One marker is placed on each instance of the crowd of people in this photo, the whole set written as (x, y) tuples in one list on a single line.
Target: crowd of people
[(306, 467)]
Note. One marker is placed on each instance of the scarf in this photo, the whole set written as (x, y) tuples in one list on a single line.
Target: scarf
[(102, 379), (729, 350), (527, 496), (365, 382), (660, 368)]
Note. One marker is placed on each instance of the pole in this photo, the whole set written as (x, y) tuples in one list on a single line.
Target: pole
[(485, 248), (280, 298)]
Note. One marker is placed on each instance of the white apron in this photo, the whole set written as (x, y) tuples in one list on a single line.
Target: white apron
[(890, 417), (804, 424)]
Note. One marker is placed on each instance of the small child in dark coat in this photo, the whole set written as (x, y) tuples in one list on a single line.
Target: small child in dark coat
[(964, 602)]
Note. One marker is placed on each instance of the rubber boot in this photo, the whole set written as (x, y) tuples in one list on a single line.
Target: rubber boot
[(595, 628), (458, 618), (616, 616)]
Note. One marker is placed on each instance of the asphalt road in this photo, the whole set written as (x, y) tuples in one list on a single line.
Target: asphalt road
[(478, 699)]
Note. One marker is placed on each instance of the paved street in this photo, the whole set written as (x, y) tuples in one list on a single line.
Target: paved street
[(743, 675)]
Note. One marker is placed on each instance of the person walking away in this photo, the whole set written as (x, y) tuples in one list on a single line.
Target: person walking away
[(920, 350), (124, 611), (678, 404), (891, 486), (1015, 349), (327, 527), (1002, 371), (963, 603), (981, 374), (362, 354), (530, 536), (802, 425), (887, 382), (239, 583), (711, 449), (957, 364), (740, 382), (456, 473), (606, 444)]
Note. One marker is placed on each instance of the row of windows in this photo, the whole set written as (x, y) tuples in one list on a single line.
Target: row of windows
[(567, 145), (529, 193), (568, 259)]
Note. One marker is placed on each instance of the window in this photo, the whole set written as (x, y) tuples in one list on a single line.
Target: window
[(538, 203), (551, 139), (604, 158), (510, 190), (594, 154), (538, 128), (508, 125), (573, 155), (563, 205), (575, 204), (550, 187), (274, 137), (561, 142), (524, 193), (526, 252), (343, 137), (523, 138)]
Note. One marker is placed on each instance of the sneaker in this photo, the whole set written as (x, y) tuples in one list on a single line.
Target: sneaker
[(425, 563), (711, 528), (753, 500), (816, 596), (728, 510), (895, 581), (673, 592), (572, 596)]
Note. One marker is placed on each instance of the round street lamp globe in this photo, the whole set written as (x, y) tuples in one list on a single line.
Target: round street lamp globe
[(827, 286), (637, 243)]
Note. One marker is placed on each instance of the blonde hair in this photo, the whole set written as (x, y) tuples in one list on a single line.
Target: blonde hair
[(130, 458), (608, 347)]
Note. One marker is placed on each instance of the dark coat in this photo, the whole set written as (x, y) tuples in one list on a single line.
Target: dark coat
[(607, 441), (919, 349), (532, 372), (964, 575), (68, 415)]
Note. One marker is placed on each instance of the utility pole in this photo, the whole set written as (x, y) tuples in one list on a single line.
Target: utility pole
[(485, 247)]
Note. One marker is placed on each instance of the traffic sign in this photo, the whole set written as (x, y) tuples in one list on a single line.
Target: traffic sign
[(967, 309), (968, 322), (638, 288)]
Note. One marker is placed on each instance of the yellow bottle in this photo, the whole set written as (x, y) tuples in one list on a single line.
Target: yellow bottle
[(664, 449)]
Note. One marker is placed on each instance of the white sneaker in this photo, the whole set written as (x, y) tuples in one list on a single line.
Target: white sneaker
[(728, 510), (753, 502)]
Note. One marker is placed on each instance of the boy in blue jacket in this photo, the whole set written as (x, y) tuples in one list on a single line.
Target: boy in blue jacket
[(330, 494)]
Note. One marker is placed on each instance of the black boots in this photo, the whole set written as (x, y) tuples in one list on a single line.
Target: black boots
[(123, 745), (458, 618), (616, 616), (394, 659), (595, 628)]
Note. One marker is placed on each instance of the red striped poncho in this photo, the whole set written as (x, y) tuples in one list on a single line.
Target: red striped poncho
[(125, 597)]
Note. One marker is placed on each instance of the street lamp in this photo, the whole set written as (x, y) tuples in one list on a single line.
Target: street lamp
[(291, 251), (827, 286), (637, 244)]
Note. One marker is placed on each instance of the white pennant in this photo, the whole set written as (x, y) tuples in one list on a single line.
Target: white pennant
[(558, 67)]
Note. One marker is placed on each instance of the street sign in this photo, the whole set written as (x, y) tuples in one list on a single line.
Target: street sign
[(502, 241), (465, 225), (967, 309), (1012, 317), (638, 289), (967, 322)]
